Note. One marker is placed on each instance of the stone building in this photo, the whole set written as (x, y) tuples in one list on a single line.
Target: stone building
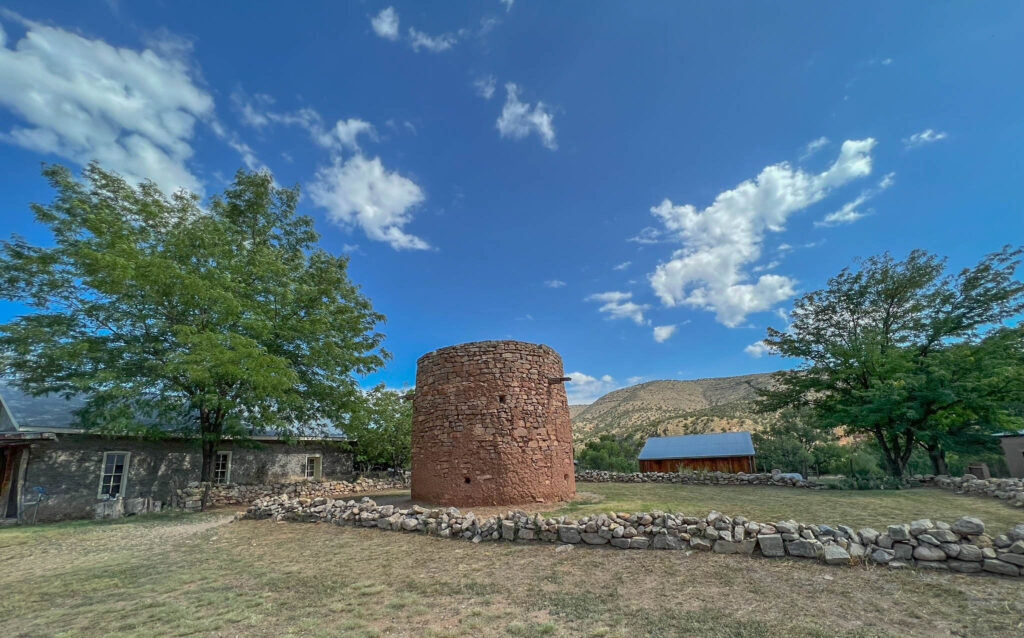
[(1013, 447), (491, 426), (71, 473)]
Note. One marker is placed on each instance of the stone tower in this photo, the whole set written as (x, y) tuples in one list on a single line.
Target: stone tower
[(490, 426)]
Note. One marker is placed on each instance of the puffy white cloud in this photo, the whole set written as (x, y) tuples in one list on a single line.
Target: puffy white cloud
[(617, 305), (519, 119), (851, 211), (361, 192), (385, 24), (554, 283), (926, 136), (624, 265), (662, 333), (586, 389), (756, 349), (485, 86), (432, 43), (813, 147), (81, 99), (709, 271)]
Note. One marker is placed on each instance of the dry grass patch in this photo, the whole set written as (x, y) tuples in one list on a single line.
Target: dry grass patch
[(202, 576)]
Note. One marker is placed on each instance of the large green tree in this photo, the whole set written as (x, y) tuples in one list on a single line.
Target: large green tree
[(903, 352), (207, 322), (383, 429)]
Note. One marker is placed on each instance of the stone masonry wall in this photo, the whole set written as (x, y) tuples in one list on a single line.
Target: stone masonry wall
[(491, 426), (963, 546), (69, 469)]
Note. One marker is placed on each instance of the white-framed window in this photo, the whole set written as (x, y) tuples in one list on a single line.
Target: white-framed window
[(314, 469), (222, 468), (114, 474)]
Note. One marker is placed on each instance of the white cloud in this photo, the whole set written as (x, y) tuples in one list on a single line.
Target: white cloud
[(624, 265), (851, 211), (662, 333), (617, 305), (586, 389), (519, 119), (508, 4), (361, 192), (926, 136), (554, 283), (719, 241), (432, 43), (769, 266), (813, 147), (343, 135), (647, 235), (635, 380), (385, 24), (80, 99), (485, 86), (756, 349)]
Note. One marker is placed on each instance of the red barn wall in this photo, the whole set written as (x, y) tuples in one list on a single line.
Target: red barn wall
[(731, 464)]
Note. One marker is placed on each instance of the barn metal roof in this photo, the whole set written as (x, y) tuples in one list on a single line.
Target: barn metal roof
[(691, 446)]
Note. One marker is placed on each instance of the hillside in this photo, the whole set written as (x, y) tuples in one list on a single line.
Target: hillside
[(658, 408)]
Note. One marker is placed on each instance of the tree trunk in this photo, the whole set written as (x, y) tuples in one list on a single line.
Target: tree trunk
[(938, 458)]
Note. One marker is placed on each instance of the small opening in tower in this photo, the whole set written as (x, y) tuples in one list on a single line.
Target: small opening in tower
[(502, 398), (565, 477), (467, 480)]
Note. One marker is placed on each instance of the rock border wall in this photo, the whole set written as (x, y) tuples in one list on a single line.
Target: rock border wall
[(697, 478), (962, 546), (190, 497)]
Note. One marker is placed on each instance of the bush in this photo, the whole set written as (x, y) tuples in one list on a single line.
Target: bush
[(610, 453)]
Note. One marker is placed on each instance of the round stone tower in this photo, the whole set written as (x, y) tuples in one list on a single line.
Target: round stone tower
[(490, 426)]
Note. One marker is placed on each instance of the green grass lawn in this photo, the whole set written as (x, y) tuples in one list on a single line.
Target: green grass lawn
[(201, 575), (868, 508)]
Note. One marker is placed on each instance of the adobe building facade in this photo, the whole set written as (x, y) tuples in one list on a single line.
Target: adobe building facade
[(491, 426)]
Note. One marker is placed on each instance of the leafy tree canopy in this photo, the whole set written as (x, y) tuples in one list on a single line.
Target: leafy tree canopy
[(611, 453), (212, 321), (904, 353), (383, 429)]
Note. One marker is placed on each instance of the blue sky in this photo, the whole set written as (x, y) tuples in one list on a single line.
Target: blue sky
[(642, 186)]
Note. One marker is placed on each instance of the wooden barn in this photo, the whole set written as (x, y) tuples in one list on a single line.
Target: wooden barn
[(722, 452)]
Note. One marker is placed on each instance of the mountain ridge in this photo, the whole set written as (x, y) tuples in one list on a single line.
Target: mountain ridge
[(672, 406)]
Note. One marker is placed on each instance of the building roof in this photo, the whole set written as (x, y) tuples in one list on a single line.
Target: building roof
[(697, 446), (49, 411), (21, 412)]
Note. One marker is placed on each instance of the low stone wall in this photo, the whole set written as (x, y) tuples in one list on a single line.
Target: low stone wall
[(191, 496), (962, 546), (696, 478), (1010, 490)]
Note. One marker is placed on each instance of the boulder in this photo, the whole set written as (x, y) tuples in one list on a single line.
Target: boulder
[(771, 545), (968, 525), (963, 566), (591, 538), (999, 567), (899, 532), (969, 553), (802, 548), (569, 534), (882, 556), (929, 552), (836, 555)]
